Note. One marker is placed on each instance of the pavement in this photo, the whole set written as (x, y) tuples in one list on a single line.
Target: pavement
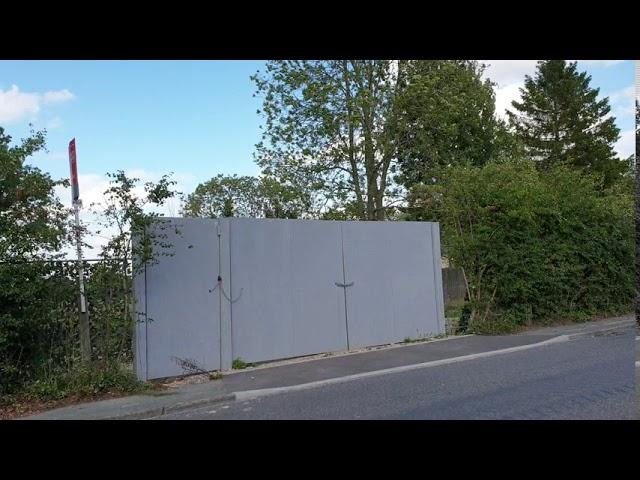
[(638, 370), (462, 363)]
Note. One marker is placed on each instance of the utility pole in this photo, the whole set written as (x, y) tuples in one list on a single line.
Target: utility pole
[(85, 333)]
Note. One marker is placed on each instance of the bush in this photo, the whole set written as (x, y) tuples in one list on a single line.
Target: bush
[(84, 382), (535, 246), (39, 334)]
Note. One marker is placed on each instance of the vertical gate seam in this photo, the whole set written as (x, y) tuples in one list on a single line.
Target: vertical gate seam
[(219, 234), (146, 325), (344, 282), (229, 222)]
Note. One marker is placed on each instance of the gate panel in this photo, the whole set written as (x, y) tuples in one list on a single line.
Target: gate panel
[(395, 292), (283, 275), (183, 317)]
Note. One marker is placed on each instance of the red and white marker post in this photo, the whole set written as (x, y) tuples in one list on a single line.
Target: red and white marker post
[(85, 338)]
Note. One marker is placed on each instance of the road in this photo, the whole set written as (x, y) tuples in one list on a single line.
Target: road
[(589, 377)]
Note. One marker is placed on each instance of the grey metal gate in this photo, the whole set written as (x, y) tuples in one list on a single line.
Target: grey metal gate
[(182, 324), (283, 277), (390, 269), (265, 289)]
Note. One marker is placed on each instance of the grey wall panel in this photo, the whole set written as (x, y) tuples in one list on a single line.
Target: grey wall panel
[(183, 316), (284, 274), (437, 292), (394, 295), (226, 354)]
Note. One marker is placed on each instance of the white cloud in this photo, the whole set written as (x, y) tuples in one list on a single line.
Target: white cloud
[(509, 78), (92, 187), (622, 101), (505, 95), (55, 122), (58, 96), (599, 63), (16, 105), (506, 72), (626, 145)]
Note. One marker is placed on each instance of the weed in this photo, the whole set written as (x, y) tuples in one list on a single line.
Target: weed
[(239, 364)]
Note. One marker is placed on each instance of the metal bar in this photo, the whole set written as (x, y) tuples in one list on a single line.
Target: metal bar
[(65, 260), (85, 333)]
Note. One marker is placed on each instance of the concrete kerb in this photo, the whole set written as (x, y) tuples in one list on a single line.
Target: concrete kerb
[(250, 394), (589, 333), (324, 356), (203, 402)]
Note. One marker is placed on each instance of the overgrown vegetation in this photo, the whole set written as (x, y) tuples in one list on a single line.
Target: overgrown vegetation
[(39, 338), (536, 246)]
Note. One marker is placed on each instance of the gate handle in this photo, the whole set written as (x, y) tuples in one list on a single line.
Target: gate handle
[(344, 285)]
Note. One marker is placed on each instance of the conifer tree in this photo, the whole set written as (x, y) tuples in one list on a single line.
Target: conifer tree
[(560, 120)]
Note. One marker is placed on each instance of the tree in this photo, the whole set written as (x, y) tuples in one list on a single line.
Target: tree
[(561, 121), (132, 217), (535, 245), (637, 192), (446, 116), (234, 196), (329, 125), (32, 230), (344, 127), (224, 196), (32, 220)]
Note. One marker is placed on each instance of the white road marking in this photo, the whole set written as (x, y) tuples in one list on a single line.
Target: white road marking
[(249, 394)]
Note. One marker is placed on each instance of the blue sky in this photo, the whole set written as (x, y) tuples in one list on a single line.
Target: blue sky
[(191, 117), (195, 118)]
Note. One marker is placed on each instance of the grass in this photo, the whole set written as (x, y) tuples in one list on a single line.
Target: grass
[(423, 339), (80, 385), (239, 364)]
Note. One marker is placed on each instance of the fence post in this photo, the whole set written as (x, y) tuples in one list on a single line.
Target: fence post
[(85, 333)]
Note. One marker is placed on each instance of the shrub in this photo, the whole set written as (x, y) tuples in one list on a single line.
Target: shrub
[(535, 246)]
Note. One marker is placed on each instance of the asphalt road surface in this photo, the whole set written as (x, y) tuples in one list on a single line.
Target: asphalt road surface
[(591, 377)]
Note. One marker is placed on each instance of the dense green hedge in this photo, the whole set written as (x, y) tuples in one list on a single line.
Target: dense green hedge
[(535, 246), (39, 334)]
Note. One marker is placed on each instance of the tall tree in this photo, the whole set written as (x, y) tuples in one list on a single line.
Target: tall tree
[(330, 123), (560, 120), (245, 196), (345, 126), (446, 116), (32, 227), (32, 220)]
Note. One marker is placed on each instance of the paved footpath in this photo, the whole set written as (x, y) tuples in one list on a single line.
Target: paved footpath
[(375, 368), (638, 371)]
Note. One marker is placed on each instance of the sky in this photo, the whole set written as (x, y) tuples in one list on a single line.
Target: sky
[(193, 118)]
